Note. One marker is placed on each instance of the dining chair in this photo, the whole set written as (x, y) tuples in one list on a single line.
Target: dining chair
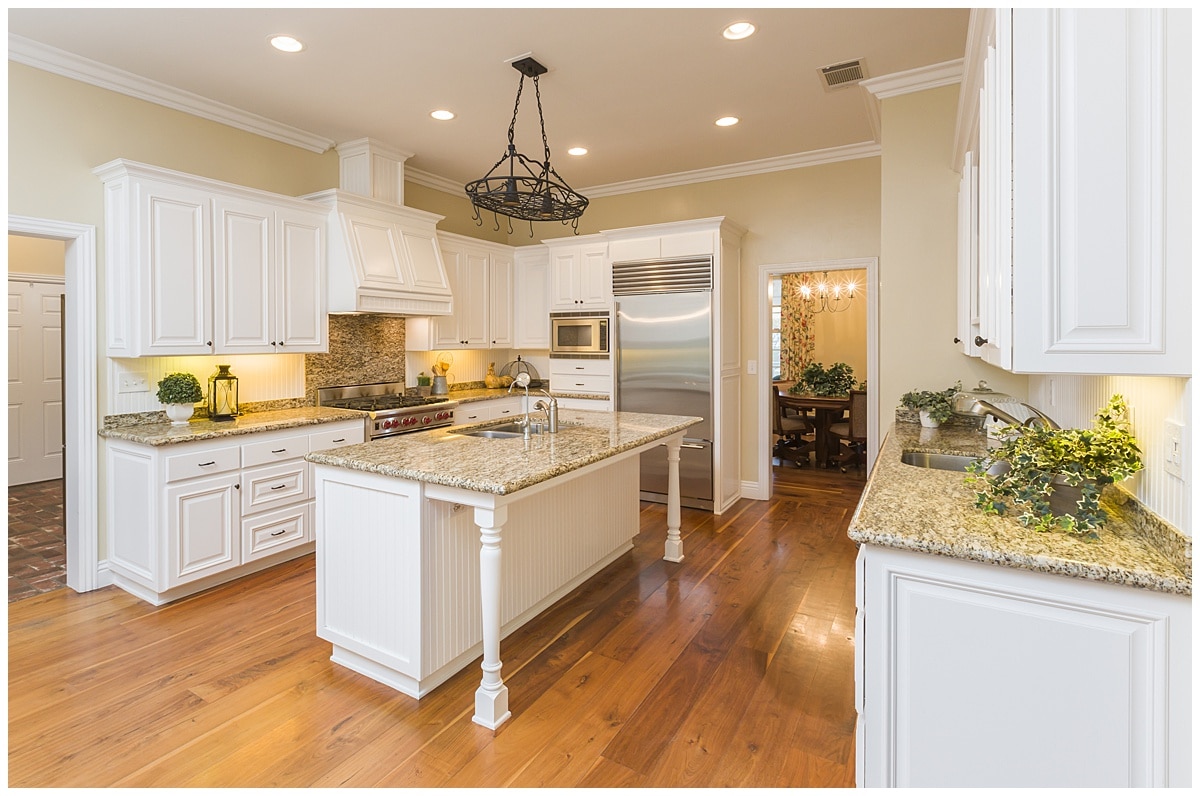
[(852, 432), (795, 432)]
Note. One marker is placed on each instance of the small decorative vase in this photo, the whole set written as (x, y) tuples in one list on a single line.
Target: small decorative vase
[(928, 421), (179, 414)]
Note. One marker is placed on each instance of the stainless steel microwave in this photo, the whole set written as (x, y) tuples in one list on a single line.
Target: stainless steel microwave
[(579, 334)]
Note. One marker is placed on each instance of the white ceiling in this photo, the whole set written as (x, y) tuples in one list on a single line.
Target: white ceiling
[(640, 88)]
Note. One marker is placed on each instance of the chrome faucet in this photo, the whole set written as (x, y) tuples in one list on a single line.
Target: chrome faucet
[(982, 408), (522, 380), (551, 410)]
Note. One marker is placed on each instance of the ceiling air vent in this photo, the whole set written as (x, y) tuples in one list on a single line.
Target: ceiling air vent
[(843, 74)]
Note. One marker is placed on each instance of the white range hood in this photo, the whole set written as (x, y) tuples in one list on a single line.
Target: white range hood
[(382, 257)]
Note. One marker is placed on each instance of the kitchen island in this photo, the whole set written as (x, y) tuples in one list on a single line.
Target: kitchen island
[(403, 595), (990, 654)]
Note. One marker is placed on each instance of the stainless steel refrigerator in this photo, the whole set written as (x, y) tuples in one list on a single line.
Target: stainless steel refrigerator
[(663, 365)]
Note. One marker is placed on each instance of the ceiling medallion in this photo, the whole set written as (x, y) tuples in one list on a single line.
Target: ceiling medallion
[(521, 187)]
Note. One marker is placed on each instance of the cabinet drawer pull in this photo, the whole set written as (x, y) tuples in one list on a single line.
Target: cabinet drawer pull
[(577, 384), (281, 450), (280, 533), (506, 411), (340, 439), (206, 464), (281, 486)]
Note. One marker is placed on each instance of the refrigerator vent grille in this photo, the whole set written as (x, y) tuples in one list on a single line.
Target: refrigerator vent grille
[(662, 276)]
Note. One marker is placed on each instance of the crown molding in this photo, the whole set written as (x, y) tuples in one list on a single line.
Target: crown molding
[(434, 181), (50, 59), (923, 78), (818, 157)]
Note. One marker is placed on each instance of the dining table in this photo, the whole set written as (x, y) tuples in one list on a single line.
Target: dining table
[(827, 410)]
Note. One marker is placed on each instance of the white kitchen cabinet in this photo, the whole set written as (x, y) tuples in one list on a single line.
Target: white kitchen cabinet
[(268, 277), (480, 277), (184, 517), (531, 298), (968, 257), (580, 273), (581, 376), (975, 675), (492, 409), (1083, 151), (196, 266)]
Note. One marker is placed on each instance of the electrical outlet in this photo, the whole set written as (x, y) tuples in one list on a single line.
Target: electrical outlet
[(132, 382), (1174, 447), (751, 366)]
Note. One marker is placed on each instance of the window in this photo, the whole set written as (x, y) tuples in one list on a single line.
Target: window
[(775, 291)]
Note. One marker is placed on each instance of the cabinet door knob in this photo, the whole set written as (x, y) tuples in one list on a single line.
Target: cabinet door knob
[(209, 344), (957, 340), (980, 341), (237, 486)]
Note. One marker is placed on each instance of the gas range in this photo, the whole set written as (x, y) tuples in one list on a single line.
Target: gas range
[(388, 410)]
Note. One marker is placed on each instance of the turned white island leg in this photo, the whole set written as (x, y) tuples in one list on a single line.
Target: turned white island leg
[(674, 545), (491, 698)]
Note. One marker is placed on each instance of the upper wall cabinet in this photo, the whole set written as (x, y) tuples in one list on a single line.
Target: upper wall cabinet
[(481, 282), (531, 297), (1084, 137), (580, 273), (195, 266)]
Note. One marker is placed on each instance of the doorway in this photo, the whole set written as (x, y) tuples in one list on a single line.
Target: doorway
[(80, 405), (765, 357)]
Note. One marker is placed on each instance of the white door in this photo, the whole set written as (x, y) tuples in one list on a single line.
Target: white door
[(35, 410)]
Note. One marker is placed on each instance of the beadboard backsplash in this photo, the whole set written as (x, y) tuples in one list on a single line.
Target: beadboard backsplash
[(261, 377), (1073, 401), (472, 365)]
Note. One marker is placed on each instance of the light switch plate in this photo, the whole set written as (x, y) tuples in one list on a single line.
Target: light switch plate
[(1173, 445), (132, 382), (751, 367)]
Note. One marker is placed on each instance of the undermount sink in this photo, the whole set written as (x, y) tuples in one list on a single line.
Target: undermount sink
[(505, 431), (946, 461)]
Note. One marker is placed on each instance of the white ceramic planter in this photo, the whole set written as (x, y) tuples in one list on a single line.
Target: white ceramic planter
[(928, 421), (179, 414)]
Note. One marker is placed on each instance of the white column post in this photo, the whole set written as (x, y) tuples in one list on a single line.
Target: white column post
[(674, 546), (491, 698)]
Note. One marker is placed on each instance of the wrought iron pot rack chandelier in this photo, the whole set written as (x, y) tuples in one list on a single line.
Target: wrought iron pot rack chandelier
[(521, 187)]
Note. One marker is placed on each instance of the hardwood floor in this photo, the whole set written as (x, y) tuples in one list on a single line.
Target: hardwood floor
[(732, 668)]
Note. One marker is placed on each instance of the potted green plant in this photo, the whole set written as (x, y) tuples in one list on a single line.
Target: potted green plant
[(1054, 476), (934, 407), (816, 379), (178, 392)]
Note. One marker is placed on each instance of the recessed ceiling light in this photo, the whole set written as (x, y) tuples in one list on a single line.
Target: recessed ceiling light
[(577, 151), (727, 121), (442, 116), (738, 30), (287, 44)]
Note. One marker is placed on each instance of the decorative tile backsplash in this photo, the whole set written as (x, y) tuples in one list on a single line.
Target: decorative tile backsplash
[(363, 349)]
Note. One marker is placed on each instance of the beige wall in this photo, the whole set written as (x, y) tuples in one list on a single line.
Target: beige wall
[(27, 255), (918, 257)]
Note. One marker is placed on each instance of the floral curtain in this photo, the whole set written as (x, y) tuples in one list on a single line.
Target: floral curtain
[(795, 328)]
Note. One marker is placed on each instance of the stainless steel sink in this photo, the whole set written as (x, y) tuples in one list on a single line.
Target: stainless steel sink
[(946, 461), (505, 430)]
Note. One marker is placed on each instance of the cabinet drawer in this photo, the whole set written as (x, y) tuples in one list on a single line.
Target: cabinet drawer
[(595, 385), (182, 466), (273, 486), (335, 438), (272, 531), (580, 367), (507, 408), (279, 449)]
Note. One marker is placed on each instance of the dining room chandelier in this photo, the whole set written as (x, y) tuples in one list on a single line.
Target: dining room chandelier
[(826, 296), (522, 187)]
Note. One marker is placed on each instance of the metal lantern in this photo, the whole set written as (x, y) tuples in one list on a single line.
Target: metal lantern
[(222, 394)]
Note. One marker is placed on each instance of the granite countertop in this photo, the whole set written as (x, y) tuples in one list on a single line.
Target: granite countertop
[(933, 511), (503, 466), (249, 423), (487, 394)]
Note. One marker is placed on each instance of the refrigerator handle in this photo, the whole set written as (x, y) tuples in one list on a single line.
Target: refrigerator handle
[(614, 347)]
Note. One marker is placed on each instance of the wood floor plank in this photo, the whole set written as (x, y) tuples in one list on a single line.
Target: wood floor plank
[(730, 668)]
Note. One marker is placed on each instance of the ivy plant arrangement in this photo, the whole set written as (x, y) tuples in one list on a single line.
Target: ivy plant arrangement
[(1038, 458), (179, 388), (938, 404), (816, 379)]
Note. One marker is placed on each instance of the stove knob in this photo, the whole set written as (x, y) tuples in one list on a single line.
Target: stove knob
[(426, 419), (409, 421)]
